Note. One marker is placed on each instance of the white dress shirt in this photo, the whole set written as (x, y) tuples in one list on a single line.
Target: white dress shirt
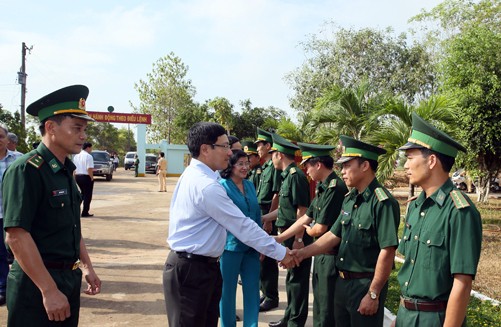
[(83, 161), (201, 212)]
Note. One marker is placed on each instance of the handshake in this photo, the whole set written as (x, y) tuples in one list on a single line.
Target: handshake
[(292, 259)]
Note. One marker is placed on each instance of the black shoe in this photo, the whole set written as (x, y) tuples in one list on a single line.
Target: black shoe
[(239, 282), (3, 299), (267, 305), (87, 215), (280, 323), (262, 298), (238, 318)]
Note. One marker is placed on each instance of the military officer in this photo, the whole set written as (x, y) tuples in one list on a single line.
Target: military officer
[(366, 230), (442, 235), (255, 165), (42, 218), (267, 196), (294, 198), (323, 211)]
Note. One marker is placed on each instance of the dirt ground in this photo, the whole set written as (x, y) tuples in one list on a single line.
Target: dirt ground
[(126, 241)]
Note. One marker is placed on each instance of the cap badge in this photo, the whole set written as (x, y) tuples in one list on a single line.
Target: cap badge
[(81, 104)]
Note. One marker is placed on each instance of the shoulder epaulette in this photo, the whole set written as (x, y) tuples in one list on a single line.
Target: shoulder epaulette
[(459, 200), (292, 170), (258, 171), (381, 194), (333, 183), (36, 161)]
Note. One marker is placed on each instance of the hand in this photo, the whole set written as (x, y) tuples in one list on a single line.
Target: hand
[(56, 305), (297, 245), (308, 229), (288, 261), (93, 282), (393, 323), (368, 306), (267, 226)]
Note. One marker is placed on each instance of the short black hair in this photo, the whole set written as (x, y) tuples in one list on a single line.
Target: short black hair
[(162, 154), (237, 154), (203, 133), (86, 145), (233, 139), (57, 119), (372, 163), (327, 161), (447, 161)]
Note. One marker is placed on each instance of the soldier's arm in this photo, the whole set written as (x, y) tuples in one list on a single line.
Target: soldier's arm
[(269, 217), (384, 265), (317, 230), (322, 245), (458, 300), (27, 255), (296, 228), (274, 202), (93, 282)]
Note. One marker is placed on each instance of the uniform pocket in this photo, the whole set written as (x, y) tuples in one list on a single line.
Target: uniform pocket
[(432, 250)]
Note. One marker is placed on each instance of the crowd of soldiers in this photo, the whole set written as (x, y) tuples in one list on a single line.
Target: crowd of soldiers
[(353, 234)]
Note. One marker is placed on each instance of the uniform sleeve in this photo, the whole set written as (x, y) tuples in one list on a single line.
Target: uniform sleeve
[(332, 200), (21, 195), (300, 191), (465, 228), (310, 210), (220, 207), (277, 180), (387, 224)]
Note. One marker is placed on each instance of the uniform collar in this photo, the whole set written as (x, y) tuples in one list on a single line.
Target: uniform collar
[(368, 192), (438, 196), (54, 164), (325, 184), (267, 163), (287, 170)]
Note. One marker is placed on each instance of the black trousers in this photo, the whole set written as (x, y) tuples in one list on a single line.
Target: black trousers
[(86, 187), (192, 291)]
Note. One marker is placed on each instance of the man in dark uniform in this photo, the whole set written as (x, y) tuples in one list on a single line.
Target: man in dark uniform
[(442, 235), (366, 231), (42, 218), (255, 166), (323, 211), (267, 197), (294, 199)]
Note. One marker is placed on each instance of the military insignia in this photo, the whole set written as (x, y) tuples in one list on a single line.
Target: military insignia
[(459, 200), (293, 170), (333, 183), (246, 148), (36, 161), (381, 194), (60, 192), (259, 171), (81, 104)]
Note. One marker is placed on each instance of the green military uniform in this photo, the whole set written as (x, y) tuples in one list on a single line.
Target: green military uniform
[(294, 193), (442, 237), (368, 223), (269, 184), (40, 195), (254, 174), (324, 209)]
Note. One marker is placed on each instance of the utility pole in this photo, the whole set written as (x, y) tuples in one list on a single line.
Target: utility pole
[(21, 78)]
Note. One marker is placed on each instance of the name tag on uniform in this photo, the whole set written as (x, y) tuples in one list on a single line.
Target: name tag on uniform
[(60, 192)]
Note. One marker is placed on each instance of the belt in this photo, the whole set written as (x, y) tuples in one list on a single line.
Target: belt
[(197, 257), (427, 306), (355, 275), (61, 265)]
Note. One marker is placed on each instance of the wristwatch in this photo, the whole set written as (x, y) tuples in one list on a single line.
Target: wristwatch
[(299, 240), (373, 295)]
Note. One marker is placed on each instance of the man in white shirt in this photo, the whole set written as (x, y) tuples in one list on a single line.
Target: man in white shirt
[(84, 176), (13, 140), (201, 213)]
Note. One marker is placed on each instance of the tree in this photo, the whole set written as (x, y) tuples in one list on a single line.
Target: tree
[(13, 124), (105, 136), (186, 118), (223, 112), (470, 71), (165, 94), (348, 57)]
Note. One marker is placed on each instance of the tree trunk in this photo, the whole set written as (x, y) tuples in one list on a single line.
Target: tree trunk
[(483, 189)]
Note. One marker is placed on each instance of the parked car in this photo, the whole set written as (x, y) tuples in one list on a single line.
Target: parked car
[(129, 160), (103, 165), (150, 163)]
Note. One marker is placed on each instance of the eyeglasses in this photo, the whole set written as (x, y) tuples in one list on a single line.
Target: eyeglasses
[(225, 146), (242, 164)]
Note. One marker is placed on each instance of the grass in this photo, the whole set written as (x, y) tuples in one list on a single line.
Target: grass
[(480, 313)]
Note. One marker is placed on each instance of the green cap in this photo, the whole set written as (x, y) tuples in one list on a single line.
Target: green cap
[(69, 100), (249, 147), (282, 145), (425, 135), (358, 149), (263, 135), (314, 150)]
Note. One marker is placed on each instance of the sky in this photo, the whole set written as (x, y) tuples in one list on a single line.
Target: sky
[(237, 49)]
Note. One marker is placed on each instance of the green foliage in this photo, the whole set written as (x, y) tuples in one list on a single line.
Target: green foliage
[(105, 136), (347, 57), (164, 95), (223, 112), (252, 117)]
